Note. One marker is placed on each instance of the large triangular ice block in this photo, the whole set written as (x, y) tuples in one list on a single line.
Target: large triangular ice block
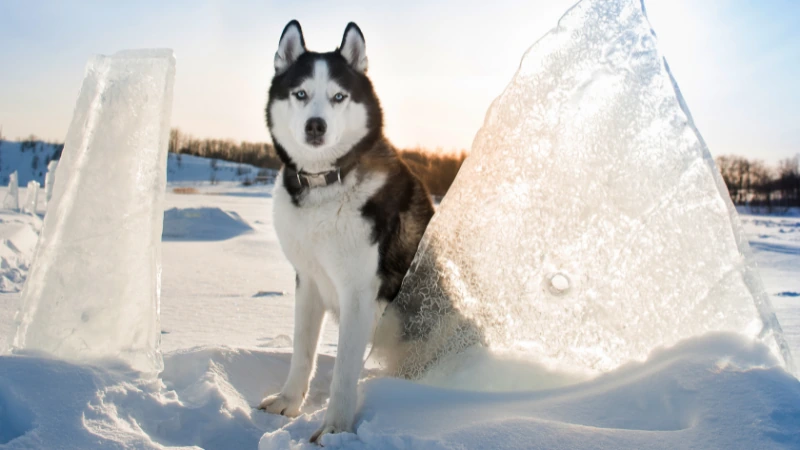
[(589, 224), (93, 289)]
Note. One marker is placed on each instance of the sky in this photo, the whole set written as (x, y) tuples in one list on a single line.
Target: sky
[(436, 66)]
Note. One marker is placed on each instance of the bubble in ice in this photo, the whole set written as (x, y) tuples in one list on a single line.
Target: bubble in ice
[(559, 283)]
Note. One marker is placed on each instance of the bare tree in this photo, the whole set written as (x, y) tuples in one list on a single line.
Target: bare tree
[(759, 186), (753, 182), (29, 143), (788, 181), (256, 154), (175, 140), (214, 164), (734, 172)]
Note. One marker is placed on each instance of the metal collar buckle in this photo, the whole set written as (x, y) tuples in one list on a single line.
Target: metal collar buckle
[(319, 179)]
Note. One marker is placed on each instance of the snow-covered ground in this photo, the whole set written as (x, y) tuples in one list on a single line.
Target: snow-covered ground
[(19, 235), (775, 241), (226, 316)]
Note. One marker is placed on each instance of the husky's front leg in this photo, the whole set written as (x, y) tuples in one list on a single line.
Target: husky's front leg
[(309, 313), (358, 315)]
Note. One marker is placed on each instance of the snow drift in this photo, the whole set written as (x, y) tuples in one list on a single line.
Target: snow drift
[(202, 224), (682, 397), (19, 232)]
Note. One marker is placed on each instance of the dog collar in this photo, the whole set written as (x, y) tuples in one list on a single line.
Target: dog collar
[(312, 180)]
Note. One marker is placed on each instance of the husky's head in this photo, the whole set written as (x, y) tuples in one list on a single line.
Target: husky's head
[(321, 105)]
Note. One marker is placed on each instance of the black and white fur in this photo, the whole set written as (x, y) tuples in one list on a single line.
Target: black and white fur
[(352, 240)]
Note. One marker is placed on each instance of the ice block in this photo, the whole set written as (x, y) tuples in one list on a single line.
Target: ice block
[(589, 224), (93, 289)]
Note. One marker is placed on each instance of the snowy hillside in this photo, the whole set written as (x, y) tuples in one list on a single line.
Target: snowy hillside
[(189, 169), (29, 159), (30, 162)]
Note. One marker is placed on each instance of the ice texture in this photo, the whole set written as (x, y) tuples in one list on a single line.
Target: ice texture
[(31, 197), (49, 179), (93, 289), (12, 197), (589, 224)]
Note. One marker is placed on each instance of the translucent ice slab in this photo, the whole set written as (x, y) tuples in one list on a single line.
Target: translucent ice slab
[(93, 289), (49, 179), (11, 201), (31, 197), (589, 224)]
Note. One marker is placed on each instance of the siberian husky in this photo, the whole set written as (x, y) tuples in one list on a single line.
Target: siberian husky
[(348, 212)]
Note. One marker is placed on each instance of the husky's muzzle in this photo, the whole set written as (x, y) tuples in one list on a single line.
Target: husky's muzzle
[(315, 131)]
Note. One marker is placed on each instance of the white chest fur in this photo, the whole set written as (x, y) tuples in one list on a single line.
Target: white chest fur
[(326, 238), (329, 243)]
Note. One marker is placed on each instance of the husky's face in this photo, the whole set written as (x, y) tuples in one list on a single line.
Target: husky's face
[(321, 105)]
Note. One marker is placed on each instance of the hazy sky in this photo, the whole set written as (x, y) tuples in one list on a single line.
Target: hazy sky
[(436, 65)]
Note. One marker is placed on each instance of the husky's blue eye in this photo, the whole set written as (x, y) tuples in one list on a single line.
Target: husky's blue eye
[(339, 97), (301, 95)]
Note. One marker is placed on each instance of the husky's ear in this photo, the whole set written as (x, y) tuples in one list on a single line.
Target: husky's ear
[(291, 46), (353, 47)]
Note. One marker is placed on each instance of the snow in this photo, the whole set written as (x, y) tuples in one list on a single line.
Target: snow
[(674, 400), (188, 169), (195, 224), (19, 233), (226, 322), (588, 220), (776, 244), (200, 403), (93, 290), (28, 160)]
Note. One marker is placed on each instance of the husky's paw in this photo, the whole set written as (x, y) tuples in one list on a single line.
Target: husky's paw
[(326, 429), (282, 404)]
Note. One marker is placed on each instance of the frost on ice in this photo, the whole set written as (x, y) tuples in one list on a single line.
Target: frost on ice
[(93, 289), (589, 224)]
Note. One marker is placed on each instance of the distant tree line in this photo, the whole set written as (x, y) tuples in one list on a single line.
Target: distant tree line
[(752, 182), (36, 146), (437, 169), (749, 182), (255, 154)]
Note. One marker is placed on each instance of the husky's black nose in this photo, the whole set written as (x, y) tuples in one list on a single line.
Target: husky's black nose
[(315, 130)]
